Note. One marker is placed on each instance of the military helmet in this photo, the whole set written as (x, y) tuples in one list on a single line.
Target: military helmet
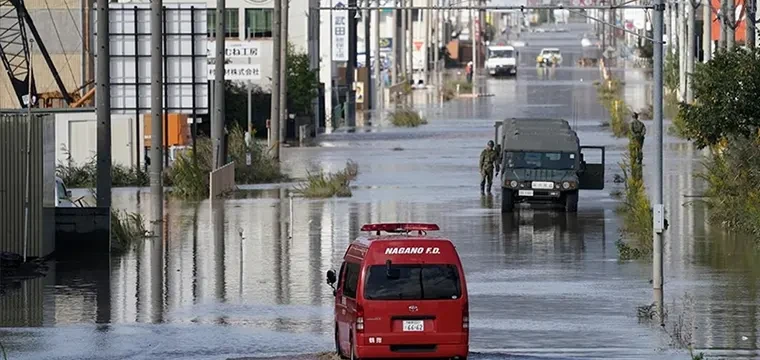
[(490, 143)]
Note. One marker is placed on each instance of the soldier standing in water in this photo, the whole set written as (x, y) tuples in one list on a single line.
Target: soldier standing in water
[(489, 159)]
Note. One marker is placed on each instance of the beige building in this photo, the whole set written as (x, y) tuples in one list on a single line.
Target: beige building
[(59, 23)]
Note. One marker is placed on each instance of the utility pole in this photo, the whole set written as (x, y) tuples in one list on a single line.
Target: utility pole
[(394, 45), (426, 62), (473, 38), (378, 80), (706, 31), (682, 11), (274, 116), (749, 19), (436, 41), (217, 127), (351, 64), (314, 16), (156, 107), (659, 208), (691, 43), (367, 63), (402, 42), (722, 39), (284, 116), (669, 26), (410, 53), (730, 25), (103, 95)]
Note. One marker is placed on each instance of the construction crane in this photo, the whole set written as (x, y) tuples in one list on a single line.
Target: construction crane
[(15, 55)]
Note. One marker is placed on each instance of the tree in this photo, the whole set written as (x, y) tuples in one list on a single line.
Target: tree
[(726, 98), (302, 82)]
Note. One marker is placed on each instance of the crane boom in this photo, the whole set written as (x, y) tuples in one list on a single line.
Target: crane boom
[(14, 50)]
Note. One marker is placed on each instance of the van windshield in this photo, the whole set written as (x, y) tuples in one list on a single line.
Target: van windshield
[(414, 282), (495, 54)]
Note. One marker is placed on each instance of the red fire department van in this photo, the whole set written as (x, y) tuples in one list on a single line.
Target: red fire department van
[(400, 294)]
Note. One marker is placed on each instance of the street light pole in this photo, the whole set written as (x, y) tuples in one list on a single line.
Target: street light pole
[(659, 209)]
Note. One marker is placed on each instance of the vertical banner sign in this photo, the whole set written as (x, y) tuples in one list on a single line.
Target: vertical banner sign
[(340, 32)]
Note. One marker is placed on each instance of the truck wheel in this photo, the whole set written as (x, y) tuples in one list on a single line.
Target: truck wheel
[(507, 201), (571, 202)]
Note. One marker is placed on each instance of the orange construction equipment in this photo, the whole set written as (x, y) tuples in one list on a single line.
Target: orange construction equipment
[(178, 133)]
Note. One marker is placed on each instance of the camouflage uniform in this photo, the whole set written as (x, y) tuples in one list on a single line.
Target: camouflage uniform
[(638, 131), (489, 159)]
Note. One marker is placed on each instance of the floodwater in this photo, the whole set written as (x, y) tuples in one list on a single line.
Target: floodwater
[(245, 277)]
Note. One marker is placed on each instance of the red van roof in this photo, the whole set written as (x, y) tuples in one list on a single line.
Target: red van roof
[(402, 246)]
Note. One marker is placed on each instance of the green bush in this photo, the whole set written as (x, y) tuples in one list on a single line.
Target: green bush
[(190, 179), (406, 117), (324, 185)]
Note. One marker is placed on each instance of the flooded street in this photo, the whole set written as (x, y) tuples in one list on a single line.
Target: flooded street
[(244, 278)]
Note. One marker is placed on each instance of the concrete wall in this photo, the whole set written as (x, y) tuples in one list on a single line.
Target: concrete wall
[(77, 133)]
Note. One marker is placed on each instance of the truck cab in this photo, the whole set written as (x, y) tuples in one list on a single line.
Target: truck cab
[(400, 295), (543, 162), (501, 60)]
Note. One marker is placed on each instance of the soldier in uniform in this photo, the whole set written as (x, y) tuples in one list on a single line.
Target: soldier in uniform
[(489, 159), (638, 131)]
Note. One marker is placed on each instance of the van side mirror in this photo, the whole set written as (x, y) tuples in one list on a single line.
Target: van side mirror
[(68, 193), (331, 278)]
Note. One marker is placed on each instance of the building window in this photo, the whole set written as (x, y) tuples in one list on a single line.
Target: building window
[(258, 23), (231, 23), (416, 15)]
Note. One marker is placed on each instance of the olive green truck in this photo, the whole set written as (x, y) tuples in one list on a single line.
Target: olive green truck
[(542, 161)]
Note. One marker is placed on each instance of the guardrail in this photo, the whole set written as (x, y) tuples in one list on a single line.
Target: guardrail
[(222, 180)]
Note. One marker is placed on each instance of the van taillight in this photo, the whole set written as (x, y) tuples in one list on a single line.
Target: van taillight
[(466, 316), (359, 318)]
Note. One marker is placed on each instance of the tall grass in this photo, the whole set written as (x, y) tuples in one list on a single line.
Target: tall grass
[(190, 179), (406, 117), (126, 229), (610, 96), (733, 175), (84, 175), (637, 229), (324, 185)]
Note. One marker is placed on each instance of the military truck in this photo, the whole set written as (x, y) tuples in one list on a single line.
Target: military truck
[(542, 161)]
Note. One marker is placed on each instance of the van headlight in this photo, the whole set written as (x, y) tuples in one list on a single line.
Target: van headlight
[(513, 184), (566, 185)]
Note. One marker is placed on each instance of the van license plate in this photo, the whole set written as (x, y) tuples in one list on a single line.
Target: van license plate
[(416, 325), (525, 193)]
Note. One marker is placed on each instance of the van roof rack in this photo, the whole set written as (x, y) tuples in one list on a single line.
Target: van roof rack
[(422, 228)]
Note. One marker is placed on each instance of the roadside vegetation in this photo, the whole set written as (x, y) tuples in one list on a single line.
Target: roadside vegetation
[(127, 229), (190, 178), (449, 88), (725, 118), (636, 232), (678, 330), (319, 184), (84, 175), (406, 117), (637, 229), (611, 97)]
